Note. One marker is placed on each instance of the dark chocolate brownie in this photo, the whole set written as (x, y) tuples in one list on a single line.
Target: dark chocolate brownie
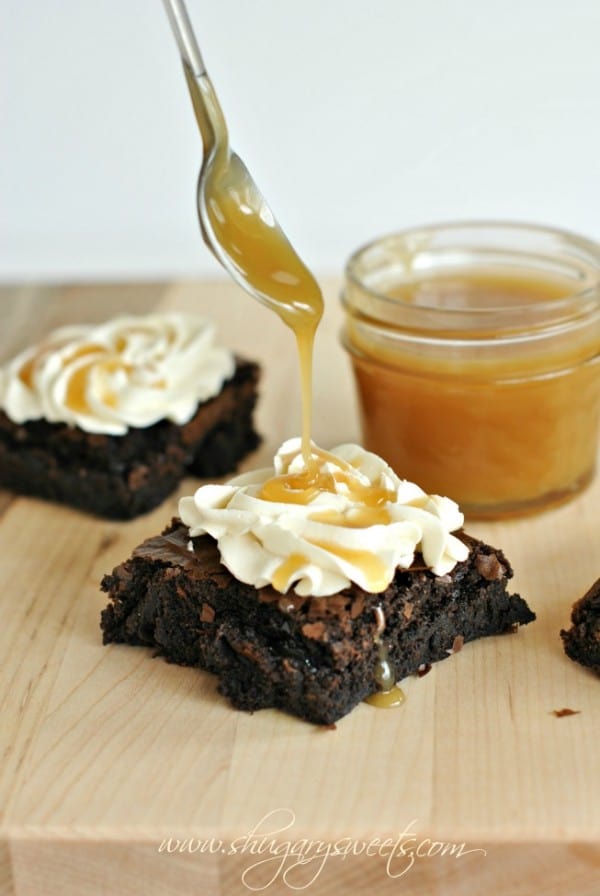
[(582, 641), (121, 477), (314, 657)]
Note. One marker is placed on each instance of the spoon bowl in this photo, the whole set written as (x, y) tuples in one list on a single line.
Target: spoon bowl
[(239, 227), (236, 222)]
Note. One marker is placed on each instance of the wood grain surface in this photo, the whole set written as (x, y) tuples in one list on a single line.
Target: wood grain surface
[(122, 775)]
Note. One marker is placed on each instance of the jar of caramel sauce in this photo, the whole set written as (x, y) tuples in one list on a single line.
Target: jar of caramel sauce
[(476, 353)]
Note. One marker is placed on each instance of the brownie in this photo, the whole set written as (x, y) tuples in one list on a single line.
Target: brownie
[(582, 641), (120, 477), (314, 657)]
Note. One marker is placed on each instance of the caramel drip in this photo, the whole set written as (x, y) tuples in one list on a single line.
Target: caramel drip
[(246, 230), (75, 397), (122, 342), (27, 371), (355, 518), (298, 488), (288, 568), (305, 337), (387, 699), (389, 694), (90, 349), (303, 486), (265, 261), (370, 565)]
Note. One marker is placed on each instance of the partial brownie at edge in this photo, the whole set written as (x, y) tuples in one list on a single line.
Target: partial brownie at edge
[(582, 640), (314, 657), (120, 477)]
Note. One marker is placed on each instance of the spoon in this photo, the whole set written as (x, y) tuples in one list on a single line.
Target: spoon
[(237, 224)]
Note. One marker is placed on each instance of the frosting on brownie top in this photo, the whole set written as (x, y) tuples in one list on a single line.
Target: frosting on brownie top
[(346, 517), (129, 371)]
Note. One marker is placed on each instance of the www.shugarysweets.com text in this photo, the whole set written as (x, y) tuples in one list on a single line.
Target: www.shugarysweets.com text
[(273, 855)]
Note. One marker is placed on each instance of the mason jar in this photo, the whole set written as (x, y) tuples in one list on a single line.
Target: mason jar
[(475, 349)]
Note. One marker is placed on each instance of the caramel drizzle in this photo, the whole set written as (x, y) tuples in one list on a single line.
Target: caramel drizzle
[(303, 486), (389, 694), (290, 567), (104, 361)]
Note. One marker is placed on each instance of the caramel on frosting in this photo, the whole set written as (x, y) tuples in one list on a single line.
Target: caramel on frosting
[(346, 518), (129, 371)]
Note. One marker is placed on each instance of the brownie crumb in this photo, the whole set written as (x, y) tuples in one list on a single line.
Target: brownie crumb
[(457, 645)]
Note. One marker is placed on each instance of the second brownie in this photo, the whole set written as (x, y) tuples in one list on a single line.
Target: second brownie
[(120, 477)]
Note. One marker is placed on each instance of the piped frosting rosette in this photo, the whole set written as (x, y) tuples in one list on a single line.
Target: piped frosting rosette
[(321, 545), (130, 371)]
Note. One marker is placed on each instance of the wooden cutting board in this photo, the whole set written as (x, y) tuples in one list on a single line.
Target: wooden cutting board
[(122, 775)]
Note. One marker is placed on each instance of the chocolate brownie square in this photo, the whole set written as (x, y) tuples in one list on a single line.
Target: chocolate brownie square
[(123, 476), (314, 657), (110, 418)]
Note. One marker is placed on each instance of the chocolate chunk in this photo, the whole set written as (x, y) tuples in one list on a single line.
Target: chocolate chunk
[(490, 567), (314, 630), (207, 614)]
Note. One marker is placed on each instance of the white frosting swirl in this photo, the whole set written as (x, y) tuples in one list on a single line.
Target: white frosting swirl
[(321, 546), (129, 371)]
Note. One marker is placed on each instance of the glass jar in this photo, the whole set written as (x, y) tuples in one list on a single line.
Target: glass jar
[(475, 348)]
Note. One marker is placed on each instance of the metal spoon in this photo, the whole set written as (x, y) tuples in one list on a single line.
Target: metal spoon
[(236, 222)]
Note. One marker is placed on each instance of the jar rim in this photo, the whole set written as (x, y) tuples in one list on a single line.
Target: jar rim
[(585, 251)]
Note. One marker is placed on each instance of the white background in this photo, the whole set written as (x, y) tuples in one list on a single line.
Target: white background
[(356, 117)]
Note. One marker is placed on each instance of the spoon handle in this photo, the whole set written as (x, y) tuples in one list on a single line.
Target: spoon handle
[(184, 35)]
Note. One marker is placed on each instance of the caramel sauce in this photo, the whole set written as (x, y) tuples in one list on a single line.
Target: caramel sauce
[(387, 699), (370, 564), (518, 428), (356, 518), (75, 397), (389, 694), (75, 394), (288, 568), (245, 228), (27, 371), (478, 290), (302, 487), (265, 261), (122, 342)]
